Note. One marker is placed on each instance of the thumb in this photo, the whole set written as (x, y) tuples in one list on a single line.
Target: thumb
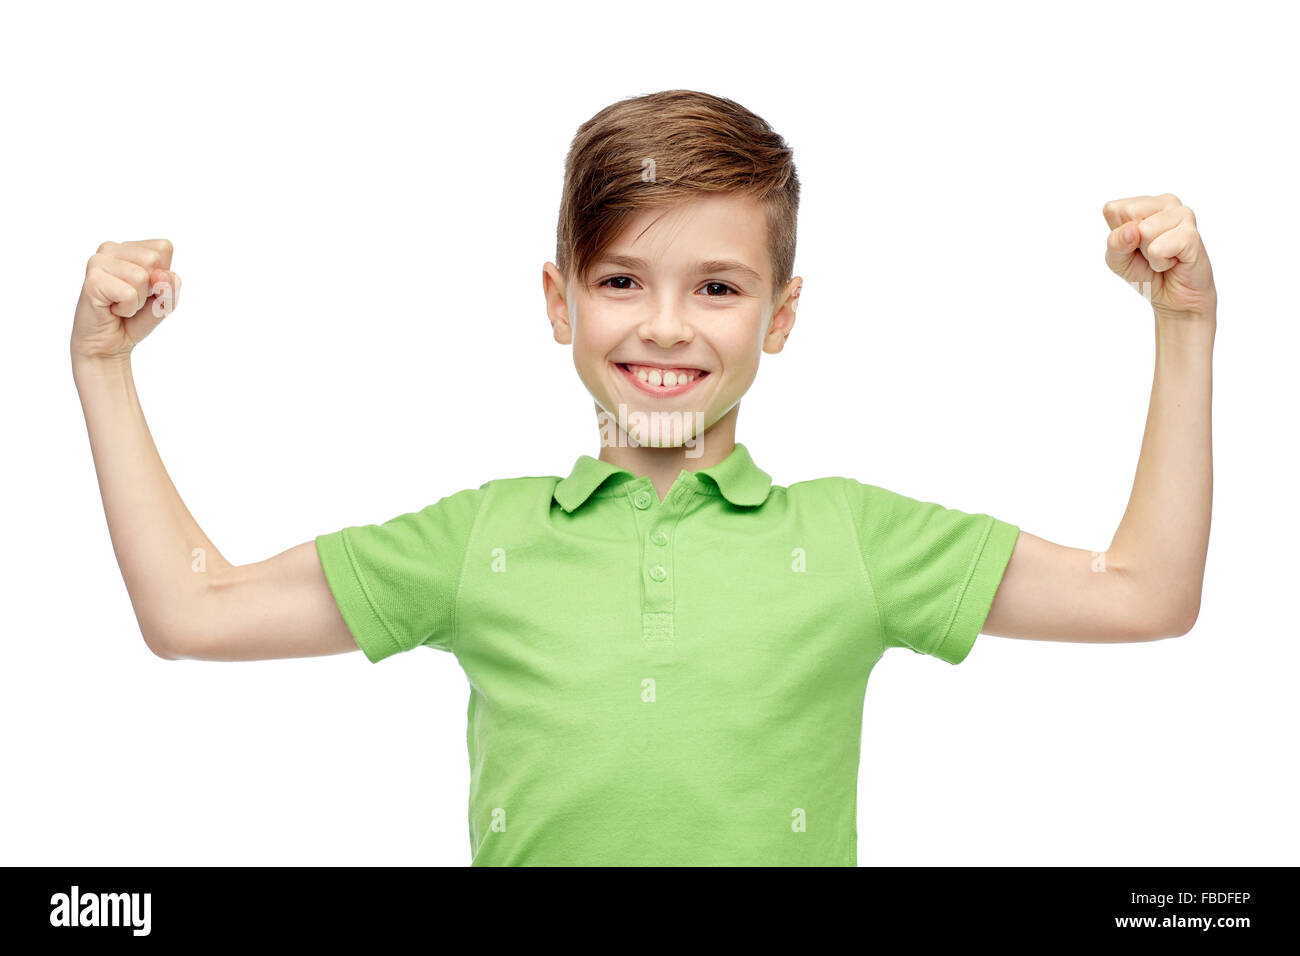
[(1121, 253)]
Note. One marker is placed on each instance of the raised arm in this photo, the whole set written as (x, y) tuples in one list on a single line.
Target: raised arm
[(1147, 584), (189, 601)]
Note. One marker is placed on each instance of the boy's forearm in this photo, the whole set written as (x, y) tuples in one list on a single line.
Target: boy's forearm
[(154, 536), (1164, 536)]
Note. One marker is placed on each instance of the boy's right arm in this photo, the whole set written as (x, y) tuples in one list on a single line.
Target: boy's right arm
[(190, 601)]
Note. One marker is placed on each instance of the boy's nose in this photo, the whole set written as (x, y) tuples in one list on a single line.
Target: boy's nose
[(666, 327)]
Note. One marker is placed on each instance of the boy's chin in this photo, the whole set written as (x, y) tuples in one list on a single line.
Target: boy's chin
[(635, 426)]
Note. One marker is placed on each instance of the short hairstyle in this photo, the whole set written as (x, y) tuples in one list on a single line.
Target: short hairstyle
[(659, 149)]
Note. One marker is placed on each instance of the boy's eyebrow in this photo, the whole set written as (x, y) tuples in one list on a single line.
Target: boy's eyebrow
[(705, 265)]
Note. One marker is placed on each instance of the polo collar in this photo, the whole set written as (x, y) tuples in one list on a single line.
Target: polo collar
[(737, 477)]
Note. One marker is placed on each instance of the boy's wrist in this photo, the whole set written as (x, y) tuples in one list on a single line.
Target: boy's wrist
[(1186, 329), (98, 366)]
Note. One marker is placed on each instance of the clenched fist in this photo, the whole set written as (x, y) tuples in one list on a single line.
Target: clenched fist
[(129, 289), (1154, 245)]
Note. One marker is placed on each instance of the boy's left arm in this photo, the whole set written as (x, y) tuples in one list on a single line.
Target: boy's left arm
[(1147, 585)]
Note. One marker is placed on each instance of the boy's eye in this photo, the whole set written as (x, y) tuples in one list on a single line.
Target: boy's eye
[(707, 285), (617, 279)]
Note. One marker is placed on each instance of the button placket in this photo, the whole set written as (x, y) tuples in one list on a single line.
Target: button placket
[(657, 572), (657, 590)]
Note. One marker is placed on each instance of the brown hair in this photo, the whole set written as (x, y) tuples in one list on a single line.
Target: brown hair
[(687, 144)]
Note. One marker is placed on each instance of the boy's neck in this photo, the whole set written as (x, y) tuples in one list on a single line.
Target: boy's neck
[(663, 465)]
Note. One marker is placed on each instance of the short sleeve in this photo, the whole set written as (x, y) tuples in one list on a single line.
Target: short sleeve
[(396, 583), (934, 570)]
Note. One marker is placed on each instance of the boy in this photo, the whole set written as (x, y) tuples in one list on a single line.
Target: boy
[(667, 654)]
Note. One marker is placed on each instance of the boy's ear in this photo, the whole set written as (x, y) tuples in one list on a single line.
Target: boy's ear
[(778, 329), (557, 307)]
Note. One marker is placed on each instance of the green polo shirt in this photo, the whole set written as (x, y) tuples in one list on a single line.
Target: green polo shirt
[(674, 682)]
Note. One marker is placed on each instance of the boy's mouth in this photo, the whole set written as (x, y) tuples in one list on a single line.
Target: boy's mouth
[(661, 382)]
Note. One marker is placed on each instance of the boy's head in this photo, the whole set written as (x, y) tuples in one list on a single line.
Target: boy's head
[(675, 249)]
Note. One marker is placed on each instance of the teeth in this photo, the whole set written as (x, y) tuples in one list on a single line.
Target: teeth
[(665, 378)]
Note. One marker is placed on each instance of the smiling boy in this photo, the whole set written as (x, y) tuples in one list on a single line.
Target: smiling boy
[(667, 653)]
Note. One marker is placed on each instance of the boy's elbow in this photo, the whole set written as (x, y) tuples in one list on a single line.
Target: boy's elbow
[(178, 630), (166, 640), (161, 645), (1160, 610), (1175, 623), (1186, 621)]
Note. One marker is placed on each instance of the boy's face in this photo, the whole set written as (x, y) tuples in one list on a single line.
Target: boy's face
[(664, 325)]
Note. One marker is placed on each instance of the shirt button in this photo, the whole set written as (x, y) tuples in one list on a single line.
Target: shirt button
[(659, 538), (658, 572), (641, 499)]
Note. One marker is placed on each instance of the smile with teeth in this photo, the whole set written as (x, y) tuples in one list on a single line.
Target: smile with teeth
[(662, 380)]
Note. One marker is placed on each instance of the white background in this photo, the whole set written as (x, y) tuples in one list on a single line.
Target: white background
[(361, 201)]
